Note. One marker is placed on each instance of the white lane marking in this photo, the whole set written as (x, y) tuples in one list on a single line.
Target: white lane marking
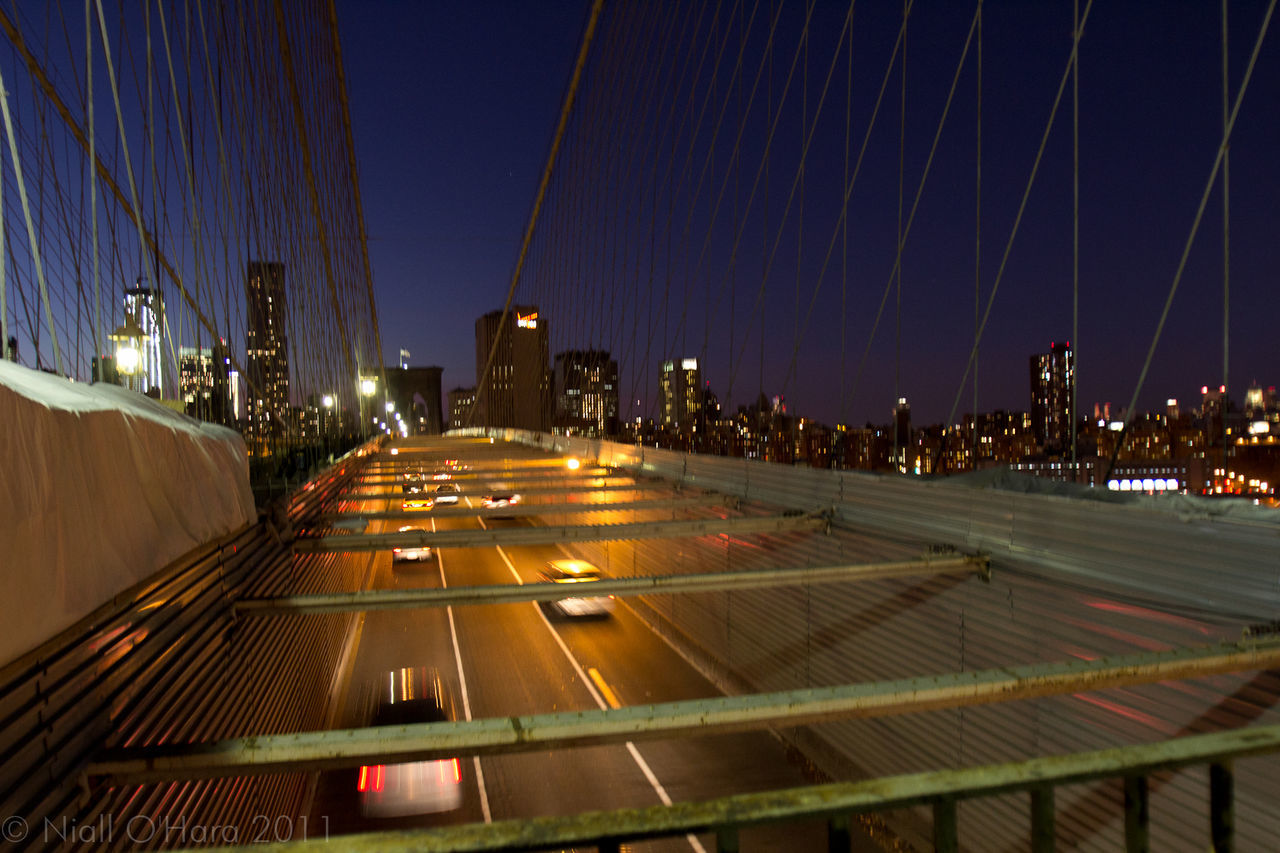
[(466, 699), (595, 694)]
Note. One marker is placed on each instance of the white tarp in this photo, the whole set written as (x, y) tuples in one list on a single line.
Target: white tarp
[(101, 487)]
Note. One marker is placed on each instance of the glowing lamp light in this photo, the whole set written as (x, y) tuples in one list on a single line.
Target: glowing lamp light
[(391, 407), (128, 339), (573, 463), (127, 358), (327, 401), (367, 387)]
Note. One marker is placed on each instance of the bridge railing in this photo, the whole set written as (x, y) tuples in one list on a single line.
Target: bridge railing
[(1127, 769), (168, 661)]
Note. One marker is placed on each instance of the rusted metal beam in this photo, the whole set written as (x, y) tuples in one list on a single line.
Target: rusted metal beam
[(812, 802), (557, 534), (391, 744), (399, 599)]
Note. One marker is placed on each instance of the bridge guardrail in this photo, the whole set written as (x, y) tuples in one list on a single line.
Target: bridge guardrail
[(167, 660)]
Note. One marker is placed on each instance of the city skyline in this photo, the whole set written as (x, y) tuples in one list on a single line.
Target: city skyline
[(1150, 112)]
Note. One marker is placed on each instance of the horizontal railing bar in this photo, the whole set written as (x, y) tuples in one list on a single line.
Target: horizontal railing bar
[(639, 486), (396, 599), (531, 509), (557, 473), (491, 736), (557, 534), (804, 803)]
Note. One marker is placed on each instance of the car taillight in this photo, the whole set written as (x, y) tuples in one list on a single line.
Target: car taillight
[(371, 778), (450, 773)]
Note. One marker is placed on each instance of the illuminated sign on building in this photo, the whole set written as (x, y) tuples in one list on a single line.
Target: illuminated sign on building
[(689, 364), (527, 321)]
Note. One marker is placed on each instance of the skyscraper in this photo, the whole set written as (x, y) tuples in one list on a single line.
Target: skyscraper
[(1052, 376), (680, 390), (205, 382), (266, 348), (518, 392), (586, 393), (145, 305)]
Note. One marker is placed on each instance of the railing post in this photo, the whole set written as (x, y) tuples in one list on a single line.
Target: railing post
[(1137, 815), (946, 839), (727, 839), (838, 838), (1042, 820), (1222, 815)]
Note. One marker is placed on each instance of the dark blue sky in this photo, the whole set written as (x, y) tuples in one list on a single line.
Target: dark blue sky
[(454, 106)]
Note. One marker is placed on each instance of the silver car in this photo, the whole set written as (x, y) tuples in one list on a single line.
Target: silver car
[(417, 553), (577, 572)]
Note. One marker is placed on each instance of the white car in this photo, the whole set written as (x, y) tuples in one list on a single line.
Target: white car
[(407, 696), (417, 553), (447, 493), (577, 572)]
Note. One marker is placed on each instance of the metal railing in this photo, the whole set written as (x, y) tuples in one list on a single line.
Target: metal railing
[(167, 661), (837, 804)]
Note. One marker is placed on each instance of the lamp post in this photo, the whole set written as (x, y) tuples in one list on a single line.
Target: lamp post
[(368, 387), (127, 339)]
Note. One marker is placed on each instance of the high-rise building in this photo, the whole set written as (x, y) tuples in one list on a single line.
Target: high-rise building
[(266, 350), (205, 382), (586, 393), (902, 450), (415, 392), (680, 390), (1053, 374), (145, 305), (518, 391), (460, 402)]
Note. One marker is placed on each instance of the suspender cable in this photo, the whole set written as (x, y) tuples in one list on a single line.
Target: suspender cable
[(977, 245), (1074, 351), (1226, 243), (565, 110), (1186, 249), (31, 231), (1022, 206)]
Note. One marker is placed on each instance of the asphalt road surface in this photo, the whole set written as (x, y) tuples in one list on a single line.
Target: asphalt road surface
[(508, 659)]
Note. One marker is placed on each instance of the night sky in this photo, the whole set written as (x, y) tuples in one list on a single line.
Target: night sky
[(454, 106)]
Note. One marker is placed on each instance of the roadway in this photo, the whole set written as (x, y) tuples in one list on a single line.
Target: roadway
[(521, 659)]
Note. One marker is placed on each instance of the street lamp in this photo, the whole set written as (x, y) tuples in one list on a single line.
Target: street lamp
[(128, 339)]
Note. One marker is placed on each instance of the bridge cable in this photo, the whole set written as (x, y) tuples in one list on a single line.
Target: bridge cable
[(1226, 245), (1186, 249), (1073, 349), (847, 193), (1022, 206), (901, 452), (977, 238), (565, 111), (31, 234)]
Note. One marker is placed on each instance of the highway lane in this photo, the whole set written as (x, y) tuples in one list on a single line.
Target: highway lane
[(514, 659)]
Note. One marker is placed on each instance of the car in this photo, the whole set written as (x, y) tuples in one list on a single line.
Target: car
[(498, 500), (577, 572), (417, 553), (415, 497), (408, 696), (447, 493)]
